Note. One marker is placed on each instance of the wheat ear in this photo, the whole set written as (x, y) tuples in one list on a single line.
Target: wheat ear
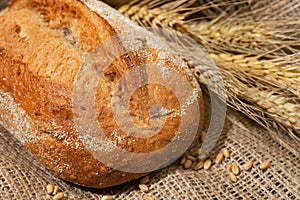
[(269, 85), (262, 81)]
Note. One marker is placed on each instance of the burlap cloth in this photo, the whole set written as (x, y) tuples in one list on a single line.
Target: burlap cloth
[(22, 177)]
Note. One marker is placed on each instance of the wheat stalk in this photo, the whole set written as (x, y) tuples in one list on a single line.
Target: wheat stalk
[(262, 79), (269, 38), (264, 95), (147, 16), (277, 73), (265, 85), (237, 33), (273, 9)]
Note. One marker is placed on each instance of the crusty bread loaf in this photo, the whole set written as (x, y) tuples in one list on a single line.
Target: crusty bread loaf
[(43, 45)]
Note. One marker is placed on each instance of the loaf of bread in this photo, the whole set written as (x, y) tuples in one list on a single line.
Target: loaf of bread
[(44, 46)]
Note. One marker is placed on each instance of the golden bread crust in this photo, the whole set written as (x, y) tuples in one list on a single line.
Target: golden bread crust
[(43, 45)]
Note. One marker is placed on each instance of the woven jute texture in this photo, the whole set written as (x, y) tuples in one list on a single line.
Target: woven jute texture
[(22, 177)]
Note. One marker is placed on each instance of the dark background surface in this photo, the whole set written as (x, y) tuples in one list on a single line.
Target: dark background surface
[(3, 4)]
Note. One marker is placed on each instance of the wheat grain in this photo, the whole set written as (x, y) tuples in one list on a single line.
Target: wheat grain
[(183, 160), (232, 177), (58, 196), (49, 188), (199, 165), (265, 165), (248, 166), (219, 158), (196, 152), (235, 169), (56, 190), (107, 197), (148, 197), (192, 158), (207, 164), (144, 188), (226, 153), (188, 164), (229, 168)]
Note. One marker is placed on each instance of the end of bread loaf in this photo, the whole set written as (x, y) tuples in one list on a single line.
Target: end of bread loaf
[(44, 47)]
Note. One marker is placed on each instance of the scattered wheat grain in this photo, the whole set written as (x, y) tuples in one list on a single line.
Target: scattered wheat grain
[(148, 197), (232, 177), (226, 153), (199, 165), (50, 188), (207, 164), (188, 164), (107, 197), (183, 160), (195, 152), (55, 190), (192, 158), (264, 165), (229, 168), (143, 188), (235, 169), (219, 158), (59, 196), (248, 166)]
